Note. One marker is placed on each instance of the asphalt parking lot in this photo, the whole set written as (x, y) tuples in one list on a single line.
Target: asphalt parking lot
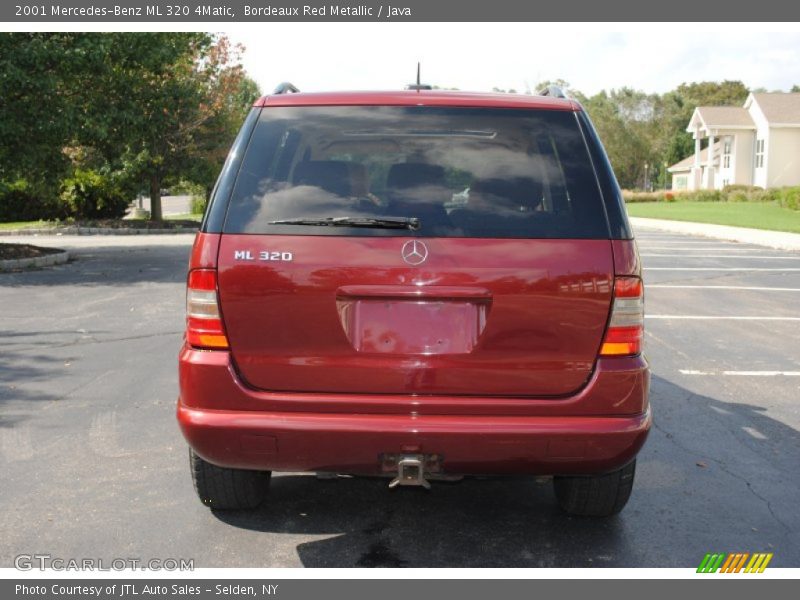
[(93, 464)]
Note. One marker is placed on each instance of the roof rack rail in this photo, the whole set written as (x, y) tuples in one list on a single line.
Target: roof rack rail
[(554, 91), (285, 88)]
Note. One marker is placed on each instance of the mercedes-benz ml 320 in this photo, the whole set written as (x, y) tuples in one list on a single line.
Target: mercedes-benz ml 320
[(415, 284)]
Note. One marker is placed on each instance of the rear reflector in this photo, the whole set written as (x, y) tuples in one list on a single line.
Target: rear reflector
[(626, 327), (203, 322)]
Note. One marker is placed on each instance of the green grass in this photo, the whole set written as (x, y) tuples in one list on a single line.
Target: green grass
[(29, 225), (130, 222), (185, 217), (757, 215)]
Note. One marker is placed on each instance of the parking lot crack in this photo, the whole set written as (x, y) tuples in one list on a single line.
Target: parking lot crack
[(88, 342), (724, 468)]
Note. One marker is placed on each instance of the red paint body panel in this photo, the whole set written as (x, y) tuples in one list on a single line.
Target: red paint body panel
[(534, 326), (208, 381), (420, 98), (600, 429), (467, 445), (626, 258), (204, 251), (444, 292)]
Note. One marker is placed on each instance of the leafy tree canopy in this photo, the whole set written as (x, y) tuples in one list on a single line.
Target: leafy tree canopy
[(155, 105)]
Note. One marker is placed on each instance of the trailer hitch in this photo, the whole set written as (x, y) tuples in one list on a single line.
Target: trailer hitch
[(410, 471)]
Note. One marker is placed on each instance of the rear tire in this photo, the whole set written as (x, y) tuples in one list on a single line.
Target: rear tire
[(227, 489), (595, 496)]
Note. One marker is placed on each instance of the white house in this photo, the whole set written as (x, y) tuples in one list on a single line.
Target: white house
[(757, 144)]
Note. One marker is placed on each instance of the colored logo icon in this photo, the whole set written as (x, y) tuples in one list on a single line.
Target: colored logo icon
[(734, 562)]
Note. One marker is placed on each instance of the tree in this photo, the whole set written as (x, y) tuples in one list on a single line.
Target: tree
[(625, 140), (174, 101), (39, 101), (149, 105), (639, 128), (712, 93), (214, 138)]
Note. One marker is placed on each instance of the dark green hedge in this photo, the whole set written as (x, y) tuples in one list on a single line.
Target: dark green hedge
[(788, 197)]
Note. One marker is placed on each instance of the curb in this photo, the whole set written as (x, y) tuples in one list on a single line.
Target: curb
[(97, 231), (780, 240), (47, 260)]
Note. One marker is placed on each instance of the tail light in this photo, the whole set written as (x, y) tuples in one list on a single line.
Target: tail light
[(203, 321), (626, 327)]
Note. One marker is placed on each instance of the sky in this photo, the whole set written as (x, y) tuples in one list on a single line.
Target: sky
[(480, 56)]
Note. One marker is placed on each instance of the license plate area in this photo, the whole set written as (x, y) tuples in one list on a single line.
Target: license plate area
[(412, 327)]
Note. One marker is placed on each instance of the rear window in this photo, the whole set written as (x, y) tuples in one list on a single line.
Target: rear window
[(462, 172)]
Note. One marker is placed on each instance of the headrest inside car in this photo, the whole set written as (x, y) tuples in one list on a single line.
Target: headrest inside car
[(330, 175), (410, 175)]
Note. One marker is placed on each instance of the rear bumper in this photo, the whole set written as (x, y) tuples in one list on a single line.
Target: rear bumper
[(599, 429), (355, 443)]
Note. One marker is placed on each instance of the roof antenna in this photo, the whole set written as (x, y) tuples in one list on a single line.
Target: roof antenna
[(419, 85)]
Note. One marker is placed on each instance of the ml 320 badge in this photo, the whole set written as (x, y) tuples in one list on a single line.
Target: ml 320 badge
[(263, 255)]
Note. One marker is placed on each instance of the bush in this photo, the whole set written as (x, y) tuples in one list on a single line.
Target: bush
[(198, 205), (184, 187), (19, 202), (705, 196), (790, 197), (633, 197), (197, 191), (738, 196), (772, 195), (90, 194), (739, 187)]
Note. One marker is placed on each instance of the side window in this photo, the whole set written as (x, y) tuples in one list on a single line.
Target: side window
[(726, 153), (759, 158)]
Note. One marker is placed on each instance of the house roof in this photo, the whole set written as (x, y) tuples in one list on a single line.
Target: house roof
[(779, 108), (721, 117), (687, 163)]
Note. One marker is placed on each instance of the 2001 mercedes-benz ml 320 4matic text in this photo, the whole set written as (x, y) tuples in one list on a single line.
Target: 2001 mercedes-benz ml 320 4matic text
[(417, 284)]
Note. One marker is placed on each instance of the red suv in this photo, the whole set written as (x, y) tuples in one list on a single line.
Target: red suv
[(420, 285)]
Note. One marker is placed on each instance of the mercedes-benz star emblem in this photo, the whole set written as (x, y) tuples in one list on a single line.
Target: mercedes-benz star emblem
[(414, 252)]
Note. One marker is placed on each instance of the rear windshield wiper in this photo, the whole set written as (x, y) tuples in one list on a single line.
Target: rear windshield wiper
[(412, 223)]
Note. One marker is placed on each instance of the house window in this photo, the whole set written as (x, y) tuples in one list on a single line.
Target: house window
[(726, 182), (759, 154), (726, 153)]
